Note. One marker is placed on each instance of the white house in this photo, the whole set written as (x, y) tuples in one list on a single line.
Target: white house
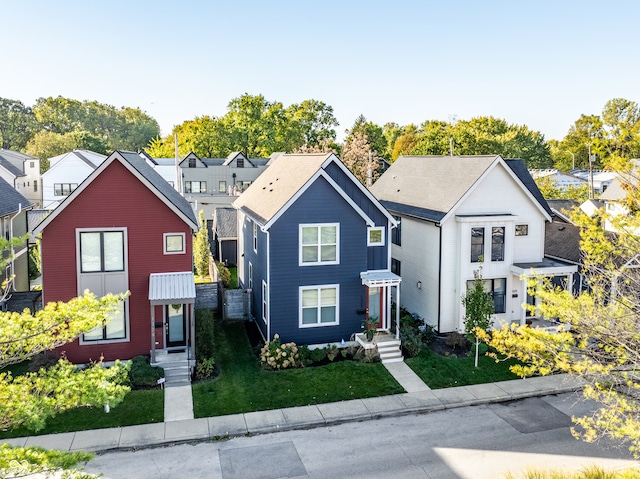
[(65, 173), (458, 214), (561, 180), (22, 172)]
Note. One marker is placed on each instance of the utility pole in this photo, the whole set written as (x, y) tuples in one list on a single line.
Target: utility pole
[(573, 160), (591, 159)]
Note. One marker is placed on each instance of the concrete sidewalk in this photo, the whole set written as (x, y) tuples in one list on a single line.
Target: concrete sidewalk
[(213, 428)]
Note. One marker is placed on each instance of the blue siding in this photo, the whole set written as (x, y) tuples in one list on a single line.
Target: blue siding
[(377, 256), (259, 264), (319, 204)]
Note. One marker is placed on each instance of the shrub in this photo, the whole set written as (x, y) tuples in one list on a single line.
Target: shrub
[(43, 361), (205, 368), (411, 341), (275, 355), (204, 333), (142, 375), (225, 274), (457, 341), (331, 350), (317, 355), (428, 334)]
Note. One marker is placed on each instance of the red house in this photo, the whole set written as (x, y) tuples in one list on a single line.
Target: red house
[(124, 229)]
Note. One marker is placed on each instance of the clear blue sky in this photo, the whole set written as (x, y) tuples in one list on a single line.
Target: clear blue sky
[(539, 63)]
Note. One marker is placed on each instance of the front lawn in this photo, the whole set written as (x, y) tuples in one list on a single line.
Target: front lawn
[(445, 372), (138, 407), (243, 386)]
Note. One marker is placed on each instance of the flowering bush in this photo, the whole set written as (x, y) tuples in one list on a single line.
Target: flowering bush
[(275, 355)]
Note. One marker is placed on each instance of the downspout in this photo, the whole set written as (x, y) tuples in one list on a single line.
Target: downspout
[(439, 225), (13, 252), (268, 286)]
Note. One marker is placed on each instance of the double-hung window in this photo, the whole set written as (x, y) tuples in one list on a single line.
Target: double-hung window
[(477, 245), (319, 305), (255, 237), (319, 244), (195, 186)]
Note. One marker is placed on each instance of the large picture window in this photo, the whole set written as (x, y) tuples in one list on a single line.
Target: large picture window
[(101, 251), (477, 245), (114, 327), (319, 244), (497, 243), (497, 289), (319, 305), (195, 186)]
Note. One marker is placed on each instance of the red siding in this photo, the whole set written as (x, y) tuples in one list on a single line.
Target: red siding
[(115, 198)]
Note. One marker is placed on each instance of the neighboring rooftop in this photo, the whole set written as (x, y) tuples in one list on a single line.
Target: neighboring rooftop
[(225, 223), (11, 201), (562, 241), (91, 158)]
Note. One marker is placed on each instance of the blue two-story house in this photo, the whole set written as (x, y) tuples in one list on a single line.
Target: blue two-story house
[(314, 250)]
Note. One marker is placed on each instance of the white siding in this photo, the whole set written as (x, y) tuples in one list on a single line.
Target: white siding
[(419, 262), (69, 169)]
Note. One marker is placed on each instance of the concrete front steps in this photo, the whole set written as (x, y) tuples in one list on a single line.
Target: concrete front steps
[(389, 351), (177, 368), (386, 343)]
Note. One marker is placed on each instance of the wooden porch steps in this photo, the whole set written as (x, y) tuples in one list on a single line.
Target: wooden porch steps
[(389, 351)]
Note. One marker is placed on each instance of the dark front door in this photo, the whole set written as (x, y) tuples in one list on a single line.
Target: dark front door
[(176, 325)]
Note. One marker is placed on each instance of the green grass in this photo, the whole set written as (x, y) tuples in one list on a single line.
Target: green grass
[(138, 407), (243, 386), (445, 372), (233, 283)]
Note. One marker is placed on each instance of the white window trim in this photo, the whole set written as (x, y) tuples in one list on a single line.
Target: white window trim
[(318, 288), (255, 237), (375, 243), (164, 243), (250, 276), (127, 325), (318, 226), (265, 302)]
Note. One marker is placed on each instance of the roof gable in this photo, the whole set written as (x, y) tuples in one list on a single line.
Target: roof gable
[(288, 176), (139, 167), (232, 160), (192, 156), (432, 187)]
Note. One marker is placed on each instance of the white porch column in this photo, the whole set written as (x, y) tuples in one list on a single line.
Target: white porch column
[(398, 311), (523, 310)]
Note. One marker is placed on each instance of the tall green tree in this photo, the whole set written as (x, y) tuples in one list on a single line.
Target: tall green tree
[(17, 124), (478, 310), (201, 248), (599, 340), (373, 133), (312, 124)]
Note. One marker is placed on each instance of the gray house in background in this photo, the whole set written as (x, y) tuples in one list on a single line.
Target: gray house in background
[(225, 232), (210, 183), (22, 172)]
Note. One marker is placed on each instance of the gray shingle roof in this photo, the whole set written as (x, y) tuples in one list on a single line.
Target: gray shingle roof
[(562, 240), (11, 200), (10, 167), (271, 191), (429, 187), (160, 184), (225, 222), (561, 208)]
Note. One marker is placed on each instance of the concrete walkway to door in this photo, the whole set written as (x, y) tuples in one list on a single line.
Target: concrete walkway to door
[(409, 380), (178, 403)]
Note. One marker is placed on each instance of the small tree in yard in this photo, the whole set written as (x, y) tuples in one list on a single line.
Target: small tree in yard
[(201, 247), (478, 306)]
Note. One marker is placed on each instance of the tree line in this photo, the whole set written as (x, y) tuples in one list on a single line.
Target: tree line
[(259, 127)]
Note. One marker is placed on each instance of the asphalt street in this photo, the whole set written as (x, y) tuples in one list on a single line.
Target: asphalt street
[(473, 442)]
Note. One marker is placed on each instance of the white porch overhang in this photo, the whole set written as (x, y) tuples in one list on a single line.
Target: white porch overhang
[(380, 279), (172, 288), (546, 267)]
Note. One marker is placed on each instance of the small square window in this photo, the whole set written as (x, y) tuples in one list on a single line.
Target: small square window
[(375, 236), (522, 230), (174, 243)]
